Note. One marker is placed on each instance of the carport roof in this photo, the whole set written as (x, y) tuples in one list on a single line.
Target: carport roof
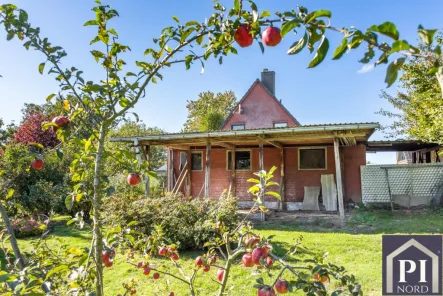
[(398, 145), (350, 133)]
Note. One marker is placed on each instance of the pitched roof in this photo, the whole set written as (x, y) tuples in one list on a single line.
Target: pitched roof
[(257, 81)]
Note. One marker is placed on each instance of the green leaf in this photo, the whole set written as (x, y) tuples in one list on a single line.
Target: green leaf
[(273, 193), (124, 102), (321, 53), (399, 45), (252, 180), (59, 153), (340, 50), (50, 97), (10, 192), (56, 270), (91, 23), (69, 202), (299, 45), (264, 14), (392, 71), (237, 5), (288, 26), (316, 14), (41, 67), (176, 19), (387, 29), (23, 16), (10, 35), (254, 11), (427, 36), (262, 48)]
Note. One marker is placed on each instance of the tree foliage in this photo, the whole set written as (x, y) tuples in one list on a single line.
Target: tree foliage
[(30, 130), (209, 111), (418, 102), (6, 133)]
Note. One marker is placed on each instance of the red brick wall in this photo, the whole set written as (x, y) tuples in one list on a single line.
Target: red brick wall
[(295, 179), (260, 110), (354, 157)]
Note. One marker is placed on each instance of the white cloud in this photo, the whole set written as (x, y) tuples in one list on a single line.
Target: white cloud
[(366, 68)]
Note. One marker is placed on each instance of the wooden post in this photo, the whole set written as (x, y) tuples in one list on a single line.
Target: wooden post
[(138, 155), (189, 178), (341, 207), (208, 169), (262, 180), (282, 201), (233, 174), (148, 159), (171, 170)]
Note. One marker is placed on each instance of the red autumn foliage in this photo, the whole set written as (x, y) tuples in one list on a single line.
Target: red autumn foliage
[(30, 131)]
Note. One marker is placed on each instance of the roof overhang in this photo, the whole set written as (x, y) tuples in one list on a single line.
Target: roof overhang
[(349, 134), (399, 145)]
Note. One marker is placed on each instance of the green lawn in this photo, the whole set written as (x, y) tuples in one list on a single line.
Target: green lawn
[(357, 247)]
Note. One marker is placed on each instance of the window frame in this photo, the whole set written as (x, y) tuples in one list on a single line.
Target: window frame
[(325, 149), (180, 160), (238, 124), (239, 150), (201, 153), (279, 122)]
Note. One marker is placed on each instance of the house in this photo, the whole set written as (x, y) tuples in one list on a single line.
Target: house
[(258, 134)]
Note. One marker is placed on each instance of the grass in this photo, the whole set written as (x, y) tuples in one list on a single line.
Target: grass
[(356, 246)]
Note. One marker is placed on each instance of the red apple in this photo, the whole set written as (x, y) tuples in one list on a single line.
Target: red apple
[(271, 36), (212, 260), (220, 274), (206, 268), (319, 278), (37, 164), (171, 294), (105, 257), (267, 291), (60, 121), (257, 254), (269, 262), (133, 291), (162, 251), (199, 261), (156, 276), (133, 179), (247, 260), (140, 264), (174, 256), (108, 264), (146, 271), (242, 36), (281, 286)]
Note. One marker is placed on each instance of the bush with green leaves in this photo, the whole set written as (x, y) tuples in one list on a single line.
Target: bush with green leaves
[(188, 224)]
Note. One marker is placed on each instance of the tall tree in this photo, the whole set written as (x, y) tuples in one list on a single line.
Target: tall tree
[(6, 132), (209, 111), (418, 103)]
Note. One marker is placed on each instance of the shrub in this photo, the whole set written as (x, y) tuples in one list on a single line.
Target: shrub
[(28, 227), (189, 224)]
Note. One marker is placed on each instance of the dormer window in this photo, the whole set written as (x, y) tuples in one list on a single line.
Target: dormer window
[(281, 124), (240, 126)]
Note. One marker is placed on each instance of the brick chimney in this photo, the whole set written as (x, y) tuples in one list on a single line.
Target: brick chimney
[(268, 80)]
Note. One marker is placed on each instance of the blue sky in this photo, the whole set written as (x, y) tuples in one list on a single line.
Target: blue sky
[(334, 92)]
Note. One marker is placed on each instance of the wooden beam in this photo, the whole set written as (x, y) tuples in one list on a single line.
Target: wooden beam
[(138, 155), (179, 147), (282, 201), (208, 169), (262, 180), (338, 177), (232, 185), (148, 159), (275, 144), (189, 179), (224, 144)]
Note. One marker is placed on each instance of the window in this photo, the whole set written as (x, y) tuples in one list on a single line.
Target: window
[(280, 124), (183, 159), (242, 160), (235, 127), (312, 158), (197, 161), (401, 156)]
